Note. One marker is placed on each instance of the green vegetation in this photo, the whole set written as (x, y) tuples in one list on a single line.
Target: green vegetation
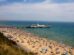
[(8, 47)]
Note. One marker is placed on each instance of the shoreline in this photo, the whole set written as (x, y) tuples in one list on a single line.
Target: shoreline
[(36, 44)]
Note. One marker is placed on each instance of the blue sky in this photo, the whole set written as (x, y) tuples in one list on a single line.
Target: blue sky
[(35, 1), (39, 10)]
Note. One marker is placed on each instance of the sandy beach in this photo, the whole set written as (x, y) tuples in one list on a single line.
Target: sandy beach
[(35, 44)]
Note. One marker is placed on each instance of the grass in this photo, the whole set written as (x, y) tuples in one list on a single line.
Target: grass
[(8, 47)]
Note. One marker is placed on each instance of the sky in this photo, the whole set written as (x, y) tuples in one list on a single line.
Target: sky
[(37, 10)]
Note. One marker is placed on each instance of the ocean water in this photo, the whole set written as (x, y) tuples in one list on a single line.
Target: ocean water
[(62, 32)]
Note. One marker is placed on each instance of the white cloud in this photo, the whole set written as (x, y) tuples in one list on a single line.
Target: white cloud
[(38, 11)]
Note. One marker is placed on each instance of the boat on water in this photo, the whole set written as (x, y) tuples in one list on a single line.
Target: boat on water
[(38, 26)]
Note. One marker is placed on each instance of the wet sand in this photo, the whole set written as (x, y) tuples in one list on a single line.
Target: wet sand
[(35, 44)]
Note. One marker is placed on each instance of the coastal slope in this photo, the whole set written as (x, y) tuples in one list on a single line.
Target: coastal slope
[(8, 47), (39, 46)]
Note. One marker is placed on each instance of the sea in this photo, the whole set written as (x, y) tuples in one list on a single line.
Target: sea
[(62, 32)]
